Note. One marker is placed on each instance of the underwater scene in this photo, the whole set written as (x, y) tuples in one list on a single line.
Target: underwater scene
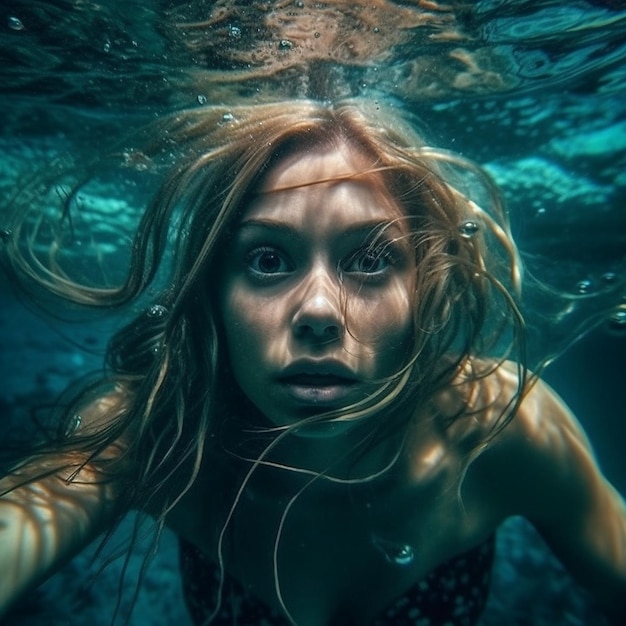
[(534, 91)]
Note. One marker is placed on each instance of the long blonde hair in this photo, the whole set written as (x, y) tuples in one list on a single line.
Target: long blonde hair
[(463, 306)]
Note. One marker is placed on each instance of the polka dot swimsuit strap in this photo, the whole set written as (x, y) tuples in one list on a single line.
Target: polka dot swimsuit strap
[(453, 594)]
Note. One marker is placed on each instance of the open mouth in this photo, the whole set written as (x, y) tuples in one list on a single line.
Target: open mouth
[(322, 382), (317, 380), (318, 389)]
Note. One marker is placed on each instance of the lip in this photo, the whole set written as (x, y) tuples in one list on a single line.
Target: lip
[(318, 382), (318, 369)]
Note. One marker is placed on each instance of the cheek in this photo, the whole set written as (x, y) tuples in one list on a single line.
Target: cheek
[(252, 330), (384, 323), (239, 325)]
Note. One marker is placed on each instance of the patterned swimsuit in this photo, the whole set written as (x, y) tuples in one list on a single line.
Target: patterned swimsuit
[(453, 594)]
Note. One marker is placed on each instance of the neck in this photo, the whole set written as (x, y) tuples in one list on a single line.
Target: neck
[(288, 460)]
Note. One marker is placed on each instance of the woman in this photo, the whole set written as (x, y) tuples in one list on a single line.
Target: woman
[(319, 403)]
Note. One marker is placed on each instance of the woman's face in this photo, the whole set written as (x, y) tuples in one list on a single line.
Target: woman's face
[(315, 317)]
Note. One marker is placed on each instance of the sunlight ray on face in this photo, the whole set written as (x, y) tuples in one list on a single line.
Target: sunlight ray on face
[(316, 299)]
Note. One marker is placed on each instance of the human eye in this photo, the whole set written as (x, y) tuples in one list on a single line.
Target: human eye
[(265, 262), (371, 261)]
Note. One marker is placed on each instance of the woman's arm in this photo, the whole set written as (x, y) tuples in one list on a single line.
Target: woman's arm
[(51, 508), (550, 476), (43, 524)]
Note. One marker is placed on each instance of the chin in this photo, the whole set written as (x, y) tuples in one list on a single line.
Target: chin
[(323, 430)]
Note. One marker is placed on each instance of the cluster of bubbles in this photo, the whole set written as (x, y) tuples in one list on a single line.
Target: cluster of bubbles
[(616, 318), (608, 282), (587, 286), (157, 311)]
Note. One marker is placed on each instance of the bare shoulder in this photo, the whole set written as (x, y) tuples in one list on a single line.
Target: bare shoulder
[(542, 466), (85, 476), (543, 445)]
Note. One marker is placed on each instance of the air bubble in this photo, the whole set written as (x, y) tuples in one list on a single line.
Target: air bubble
[(285, 45), (5, 235), (396, 553), (299, 4), (584, 286), (234, 32), (73, 425), (316, 35), (15, 23), (616, 322), (376, 29), (137, 160), (469, 228), (228, 117), (609, 278), (202, 99), (107, 46), (157, 310)]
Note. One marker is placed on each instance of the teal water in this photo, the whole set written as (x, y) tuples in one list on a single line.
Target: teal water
[(535, 91)]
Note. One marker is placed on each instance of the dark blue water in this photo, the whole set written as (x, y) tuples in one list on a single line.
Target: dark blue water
[(535, 91)]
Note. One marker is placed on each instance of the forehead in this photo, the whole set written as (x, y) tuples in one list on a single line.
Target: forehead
[(317, 164), (335, 183)]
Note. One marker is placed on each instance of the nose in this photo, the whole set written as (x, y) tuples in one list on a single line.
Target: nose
[(319, 314)]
